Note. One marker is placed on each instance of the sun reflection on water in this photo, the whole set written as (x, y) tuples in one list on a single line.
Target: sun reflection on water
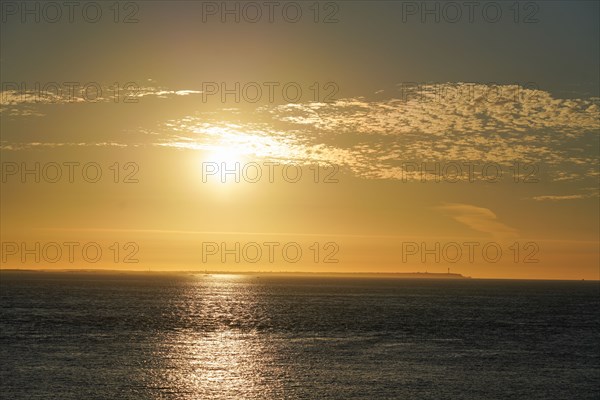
[(217, 354)]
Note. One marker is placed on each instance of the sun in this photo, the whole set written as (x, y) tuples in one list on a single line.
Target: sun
[(223, 165), (227, 155)]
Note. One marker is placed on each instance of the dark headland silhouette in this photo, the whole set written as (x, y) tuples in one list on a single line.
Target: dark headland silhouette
[(399, 275)]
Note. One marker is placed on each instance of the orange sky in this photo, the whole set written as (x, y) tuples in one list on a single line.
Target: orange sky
[(368, 144)]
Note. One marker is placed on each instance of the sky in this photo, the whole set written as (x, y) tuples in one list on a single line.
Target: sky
[(348, 136)]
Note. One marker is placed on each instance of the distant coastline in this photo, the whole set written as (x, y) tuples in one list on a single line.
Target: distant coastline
[(258, 274), (399, 275)]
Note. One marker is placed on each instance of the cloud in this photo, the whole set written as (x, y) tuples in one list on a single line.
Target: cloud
[(564, 197), (250, 140), (24, 146), (376, 139), (442, 109), (457, 122), (479, 219), (21, 101)]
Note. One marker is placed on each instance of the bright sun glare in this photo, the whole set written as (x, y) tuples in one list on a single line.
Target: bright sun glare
[(221, 164), (227, 155)]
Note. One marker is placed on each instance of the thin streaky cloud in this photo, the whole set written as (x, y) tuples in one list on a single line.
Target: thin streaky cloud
[(479, 219)]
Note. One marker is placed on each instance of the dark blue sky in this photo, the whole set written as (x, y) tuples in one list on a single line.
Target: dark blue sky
[(375, 45)]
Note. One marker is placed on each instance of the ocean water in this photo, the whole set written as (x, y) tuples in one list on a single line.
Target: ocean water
[(144, 336)]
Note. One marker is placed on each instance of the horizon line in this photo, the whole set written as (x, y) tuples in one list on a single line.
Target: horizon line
[(455, 275)]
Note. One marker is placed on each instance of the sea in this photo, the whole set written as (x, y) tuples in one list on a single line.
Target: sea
[(83, 336)]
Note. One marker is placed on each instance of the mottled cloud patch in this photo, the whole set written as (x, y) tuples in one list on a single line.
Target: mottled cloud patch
[(469, 109), (466, 123)]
